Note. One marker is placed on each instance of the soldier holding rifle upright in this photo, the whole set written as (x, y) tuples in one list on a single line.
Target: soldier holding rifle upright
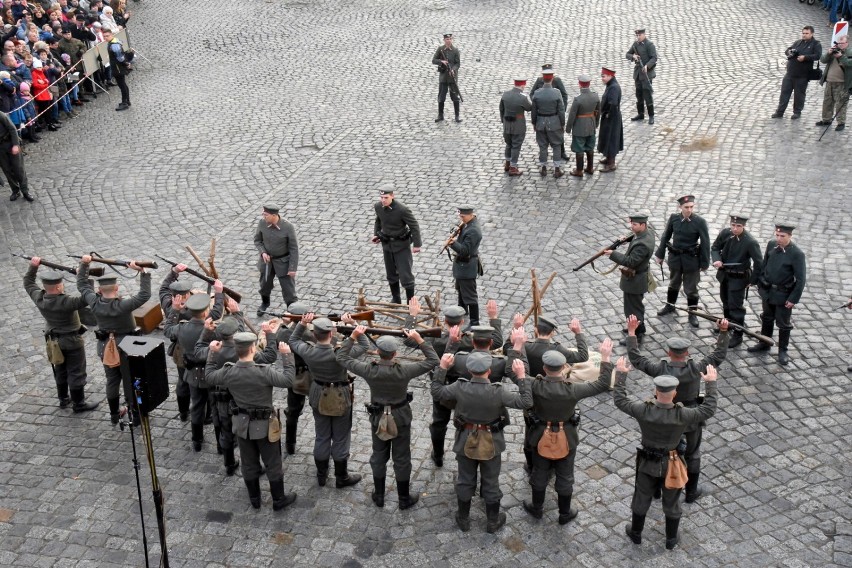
[(466, 264), (643, 54), (448, 59)]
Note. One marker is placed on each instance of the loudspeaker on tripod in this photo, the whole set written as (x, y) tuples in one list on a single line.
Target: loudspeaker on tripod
[(147, 359)]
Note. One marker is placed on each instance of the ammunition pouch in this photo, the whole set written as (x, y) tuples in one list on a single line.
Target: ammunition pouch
[(495, 426), (535, 421), (255, 413), (691, 251), (376, 408), (385, 238)]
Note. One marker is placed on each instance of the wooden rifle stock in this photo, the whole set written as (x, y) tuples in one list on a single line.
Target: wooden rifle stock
[(96, 272), (731, 325), (600, 253), (237, 297), (358, 316), (120, 262), (430, 332), (453, 235)]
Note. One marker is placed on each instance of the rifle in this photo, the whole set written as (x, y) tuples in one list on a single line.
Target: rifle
[(453, 86), (430, 332), (617, 243), (453, 235), (227, 291), (717, 319), (846, 306), (120, 262), (96, 272), (358, 316), (642, 67)]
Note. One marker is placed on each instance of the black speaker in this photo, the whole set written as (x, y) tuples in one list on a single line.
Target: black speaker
[(147, 359)]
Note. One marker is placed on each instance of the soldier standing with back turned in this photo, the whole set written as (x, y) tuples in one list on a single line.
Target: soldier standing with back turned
[(397, 229), (581, 124), (548, 118), (513, 105)]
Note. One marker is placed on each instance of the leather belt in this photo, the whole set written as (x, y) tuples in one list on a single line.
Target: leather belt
[(542, 114), (586, 115), (332, 384)]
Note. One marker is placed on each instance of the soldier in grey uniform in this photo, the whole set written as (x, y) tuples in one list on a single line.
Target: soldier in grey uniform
[(662, 422), (582, 123), (780, 283), (688, 373), (224, 332), (115, 321), (331, 381), (63, 326), (397, 230), (548, 118), (296, 394), (12, 160), (513, 105), (479, 408), (448, 59), (177, 291), (275, 240), (689, 255), (634, 270), (737, 260), (558, 85), (466, 263), (251, 384), (388, 380), (643, 54), (187, 334), (555, 408)]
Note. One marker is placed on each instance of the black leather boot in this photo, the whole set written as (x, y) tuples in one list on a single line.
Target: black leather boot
[(536, 507), (290, 426), (231, 463), (671, 300), (692, 491), (114, 410), (650, 114), (640, 109), (440, 112), (566, 513), (197, 436), (693, 319), (279, 498), (342, 476), (409, 293), (253, 486), (62, 394), (216, 432), (438, 450), (783, 342), (736, 340), (322, 471), (264, 305), (183, 408), (473, 310), (634, 529), (78, 397), (395, 293), (494, 518), (378, 494), (456, 109), (766, 328), (590, 163), (463, 516), (406, 500), (528, 458), (671, 532)]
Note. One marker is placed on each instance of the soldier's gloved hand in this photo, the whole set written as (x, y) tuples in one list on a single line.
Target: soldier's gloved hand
[(711, 374), (283, 348), (209, 324), (575, 326), (622, 366), (518, 369), (35, 261), (491, 309), (215, 346), (447, 360), (414, 307), (632, 324), (606, 350)]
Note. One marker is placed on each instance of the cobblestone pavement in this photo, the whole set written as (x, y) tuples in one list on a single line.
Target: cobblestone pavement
[(310, 104)]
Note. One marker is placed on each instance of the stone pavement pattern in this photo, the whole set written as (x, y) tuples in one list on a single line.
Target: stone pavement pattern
[(310, 105)]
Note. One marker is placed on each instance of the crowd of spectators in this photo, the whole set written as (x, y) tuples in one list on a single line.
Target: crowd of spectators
[(837, 10)]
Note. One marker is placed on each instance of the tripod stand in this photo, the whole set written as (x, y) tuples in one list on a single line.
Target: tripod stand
[(127, 421)]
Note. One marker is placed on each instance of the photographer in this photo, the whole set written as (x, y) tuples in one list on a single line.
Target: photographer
[(800, 59), (837, 78)]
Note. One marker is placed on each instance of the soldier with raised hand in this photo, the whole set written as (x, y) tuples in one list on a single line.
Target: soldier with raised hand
[(397, 230), (390, 413), (514, 104), (548, 118), (688, 373), (297, 394), (479, 435), (582, 123), (173, 295), (662, 422), (114, 315), (251, 384), (448, 59), (689, 255), (736, 257), (634, 270), (63, 327), (643, 54), (554, 413)]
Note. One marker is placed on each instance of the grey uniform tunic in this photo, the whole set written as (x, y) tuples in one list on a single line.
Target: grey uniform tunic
[(548, 118), (583, 120), (251, 387), (662, 426), (554, 401), (647, 53), (742, 256), (637, 257), (63, 324), (279, 242), (388, 381), (513, 106), (398, 229), (165, 294), (479, 402)]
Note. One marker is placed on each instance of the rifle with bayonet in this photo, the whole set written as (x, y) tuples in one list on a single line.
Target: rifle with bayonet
[(96, 272), (367, 315), (119, 262), (429, 332), (846, 306), (731, 325), (227, 291), (617, 243)]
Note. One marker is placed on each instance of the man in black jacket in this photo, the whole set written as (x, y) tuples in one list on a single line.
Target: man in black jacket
[(800, 60)]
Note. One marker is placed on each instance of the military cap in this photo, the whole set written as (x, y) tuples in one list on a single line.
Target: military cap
[(51, 277), (544, 322), (686, 199), (640, 31), (198, 302), (738, 219), (180, 287), (665, 383), (228, 327), (583, 78), (519, 82), (272, 209), (448, 36), (607, 71), (453, 314), (639, 218), (107, 281), (386, 189), (785, 227), (546, 66), (553, 359), (677, 344), (478, 362), (298, 308), (548, 71), (482, 331), (323, 324), (465, 209), (245, 338), (386, 344)]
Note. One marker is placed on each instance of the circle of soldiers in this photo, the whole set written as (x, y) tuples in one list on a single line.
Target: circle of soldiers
[(226, 376)]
